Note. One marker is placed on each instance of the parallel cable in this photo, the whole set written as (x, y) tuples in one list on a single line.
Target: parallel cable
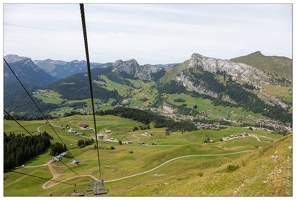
[(32, 136), (43, 178), (90, 81), (42, 115)]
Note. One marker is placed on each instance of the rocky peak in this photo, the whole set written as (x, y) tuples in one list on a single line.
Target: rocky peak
[(213, 65), (11, 58), (131, 67)]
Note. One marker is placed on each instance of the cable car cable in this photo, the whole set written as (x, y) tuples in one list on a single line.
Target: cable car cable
[(90, 82), (41, 113)]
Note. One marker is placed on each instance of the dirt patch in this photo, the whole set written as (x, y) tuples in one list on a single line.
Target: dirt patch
[(54, 173)]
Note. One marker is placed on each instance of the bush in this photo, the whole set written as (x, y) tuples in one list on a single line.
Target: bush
[(179, 100), (232, 168)]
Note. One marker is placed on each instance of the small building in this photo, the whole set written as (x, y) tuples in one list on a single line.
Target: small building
[(57, 158), (101, 135), (127, 142), (79, 133), (75, 162), (63, 154), (245, 134), (84, 125), (108, 131), (211, 141)]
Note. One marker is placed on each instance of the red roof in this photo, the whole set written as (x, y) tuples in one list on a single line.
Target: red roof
[(84, 125)]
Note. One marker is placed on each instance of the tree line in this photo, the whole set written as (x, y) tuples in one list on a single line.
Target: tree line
[(20, 148), (146, 117)]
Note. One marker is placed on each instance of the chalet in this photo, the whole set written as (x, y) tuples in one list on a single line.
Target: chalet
[(57, 158), (101, 135), (75, 162), (127, 142), (84, 125), (79, 133), (63, 154), (245, 134)]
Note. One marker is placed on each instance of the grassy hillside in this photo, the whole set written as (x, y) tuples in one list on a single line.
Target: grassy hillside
[(180, 176), (281, 66), (265, 172)]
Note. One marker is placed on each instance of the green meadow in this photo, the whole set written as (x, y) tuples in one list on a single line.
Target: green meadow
[(127, 159)]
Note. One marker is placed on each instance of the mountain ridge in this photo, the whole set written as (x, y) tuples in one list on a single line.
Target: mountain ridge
[(223, 82), (279, 66), (26, 71)]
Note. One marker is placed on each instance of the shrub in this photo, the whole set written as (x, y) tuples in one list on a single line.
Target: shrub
[(232, 168), (179, 100)]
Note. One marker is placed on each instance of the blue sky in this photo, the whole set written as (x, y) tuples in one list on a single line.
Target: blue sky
[(149, 33)]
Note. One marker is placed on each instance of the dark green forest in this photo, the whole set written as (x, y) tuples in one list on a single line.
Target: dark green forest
[(20, 148)]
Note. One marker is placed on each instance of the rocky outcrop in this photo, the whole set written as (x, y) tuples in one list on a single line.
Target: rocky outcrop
[(236, 70), (191, 86), (132, 68)]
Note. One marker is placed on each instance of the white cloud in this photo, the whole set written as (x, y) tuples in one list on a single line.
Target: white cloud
[(150, 33)]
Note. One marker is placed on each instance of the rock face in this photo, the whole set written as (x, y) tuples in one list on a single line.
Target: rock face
[(133, 69), (191, 86), (236, 70)]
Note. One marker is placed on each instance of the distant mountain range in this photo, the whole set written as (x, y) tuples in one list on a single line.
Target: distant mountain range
[(126, 83), (26, 71), (61, 69)]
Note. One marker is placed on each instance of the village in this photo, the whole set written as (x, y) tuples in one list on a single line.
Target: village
[(261, 123)]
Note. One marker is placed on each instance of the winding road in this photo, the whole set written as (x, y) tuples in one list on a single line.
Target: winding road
[(51, 165), (50, 183)]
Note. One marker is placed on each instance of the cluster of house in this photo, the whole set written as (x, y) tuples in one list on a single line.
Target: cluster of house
[(207, 126), (225, 138), (45, 93), (104, 135), (61, 155), (75, 132), (128, 142)]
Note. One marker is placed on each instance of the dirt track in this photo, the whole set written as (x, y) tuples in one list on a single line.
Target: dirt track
[(51, 183)]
